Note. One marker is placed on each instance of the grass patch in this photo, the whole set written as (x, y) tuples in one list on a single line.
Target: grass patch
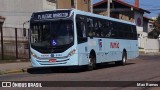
[(1, 73), (140, 48)]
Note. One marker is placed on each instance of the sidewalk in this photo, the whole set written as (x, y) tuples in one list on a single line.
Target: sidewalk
[(7, 68), (150, 54)]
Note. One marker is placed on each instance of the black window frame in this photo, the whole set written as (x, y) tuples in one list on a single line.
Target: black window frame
[(109, 29)]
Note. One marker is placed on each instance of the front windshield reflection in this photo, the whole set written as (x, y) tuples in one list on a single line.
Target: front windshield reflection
[(56, 33)]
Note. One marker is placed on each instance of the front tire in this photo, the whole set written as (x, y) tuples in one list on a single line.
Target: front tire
[(92, 63)]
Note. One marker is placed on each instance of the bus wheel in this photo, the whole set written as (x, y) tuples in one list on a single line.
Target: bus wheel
[(123, 61), (92, 63)]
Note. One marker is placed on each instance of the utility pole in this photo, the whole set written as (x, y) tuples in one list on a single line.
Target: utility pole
[(108, 8), (91, 6), (2, 50), (76, 4)]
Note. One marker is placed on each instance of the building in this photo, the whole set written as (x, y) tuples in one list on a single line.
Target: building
[(84, 5), (122, 10), (17, 12), (147, 26)]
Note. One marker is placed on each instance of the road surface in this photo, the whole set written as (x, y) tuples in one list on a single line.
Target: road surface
[(143, 68)]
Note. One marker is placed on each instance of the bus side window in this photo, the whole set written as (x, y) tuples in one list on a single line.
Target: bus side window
[(91, 33), (103, 32), (96, 28), (135, 36), (100, 29), (109, 29), (121, 31), (104, 29), (81, 30), (81, 27), (114, 30)]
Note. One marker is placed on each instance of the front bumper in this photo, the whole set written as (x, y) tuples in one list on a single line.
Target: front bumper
[(69, 61)]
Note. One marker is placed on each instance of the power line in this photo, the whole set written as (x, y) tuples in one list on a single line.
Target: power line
[(153, 9)]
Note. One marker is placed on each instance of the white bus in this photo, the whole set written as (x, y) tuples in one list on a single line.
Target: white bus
[(77, 38)]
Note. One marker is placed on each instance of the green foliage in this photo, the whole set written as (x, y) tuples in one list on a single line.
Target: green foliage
[(157, 24), (156, 32)]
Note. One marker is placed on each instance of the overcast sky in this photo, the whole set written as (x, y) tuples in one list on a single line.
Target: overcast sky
[(151, 5)]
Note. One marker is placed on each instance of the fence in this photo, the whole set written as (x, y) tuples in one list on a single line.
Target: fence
[(149, 45), (14, 43)]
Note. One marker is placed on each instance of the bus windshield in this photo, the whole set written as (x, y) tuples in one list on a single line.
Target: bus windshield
[(51, 33)]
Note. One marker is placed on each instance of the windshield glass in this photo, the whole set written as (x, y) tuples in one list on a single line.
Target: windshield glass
[(52, 33)]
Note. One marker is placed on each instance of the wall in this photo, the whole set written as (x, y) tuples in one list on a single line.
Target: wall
[(9, 34), (83, 5), (48, 5), (104, 13), (127, 16), (150, 27), (152, 45), (10, 45), (139, 21), (17, 12), (149, 45), (63, 4)]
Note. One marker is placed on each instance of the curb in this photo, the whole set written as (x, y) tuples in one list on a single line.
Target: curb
[(13, 71), (150, 54)]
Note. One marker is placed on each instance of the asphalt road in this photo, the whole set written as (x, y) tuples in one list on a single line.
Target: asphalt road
[(143, 68)]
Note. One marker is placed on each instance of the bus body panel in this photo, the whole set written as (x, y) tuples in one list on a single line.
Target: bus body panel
[(106, 49), (62, 59)]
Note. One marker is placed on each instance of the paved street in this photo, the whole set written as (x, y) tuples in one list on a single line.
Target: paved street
[(144, 68)]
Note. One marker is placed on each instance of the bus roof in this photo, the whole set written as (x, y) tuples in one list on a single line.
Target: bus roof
[(68, 12), (101, 16)]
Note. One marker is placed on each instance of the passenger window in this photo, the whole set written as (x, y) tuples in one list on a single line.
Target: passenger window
[(81, 29), (96, 28), (91, 33), (105, 29)]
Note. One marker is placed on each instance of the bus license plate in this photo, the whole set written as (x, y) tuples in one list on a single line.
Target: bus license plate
[(52, 60)]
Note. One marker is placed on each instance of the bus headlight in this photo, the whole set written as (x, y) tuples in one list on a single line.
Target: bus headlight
[(34, 55), (72, 52)]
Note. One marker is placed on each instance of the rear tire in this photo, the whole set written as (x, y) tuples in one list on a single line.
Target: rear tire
[(92, 63), (123, 61)]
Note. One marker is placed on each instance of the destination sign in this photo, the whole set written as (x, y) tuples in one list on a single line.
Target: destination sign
[(50, 15)]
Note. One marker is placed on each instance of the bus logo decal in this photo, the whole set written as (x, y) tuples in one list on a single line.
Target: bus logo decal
[(114, 45), (54, 42), (100, 44)]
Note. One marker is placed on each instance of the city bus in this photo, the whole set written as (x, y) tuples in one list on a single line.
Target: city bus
[(61, 38)]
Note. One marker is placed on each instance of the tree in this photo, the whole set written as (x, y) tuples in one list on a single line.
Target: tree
[(156, 32), (157, 24)]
